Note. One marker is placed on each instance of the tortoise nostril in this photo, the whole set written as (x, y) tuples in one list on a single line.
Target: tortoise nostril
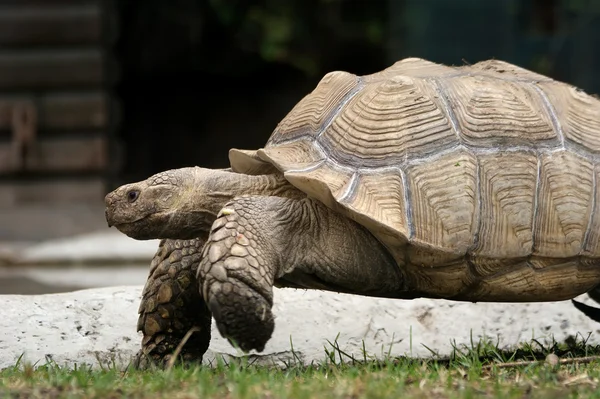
[(108, 200)]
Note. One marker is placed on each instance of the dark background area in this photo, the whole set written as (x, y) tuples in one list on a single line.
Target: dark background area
[(198, 77), (96, 93)]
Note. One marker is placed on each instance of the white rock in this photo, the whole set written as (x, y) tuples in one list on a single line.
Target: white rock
[(97, 326)]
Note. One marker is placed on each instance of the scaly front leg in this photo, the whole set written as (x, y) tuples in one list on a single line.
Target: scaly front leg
[(257, 242), (171, 305), (237, 271)]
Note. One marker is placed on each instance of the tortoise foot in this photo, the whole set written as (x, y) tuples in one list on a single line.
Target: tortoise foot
[(149, 361), (243, 316), (163, 351)]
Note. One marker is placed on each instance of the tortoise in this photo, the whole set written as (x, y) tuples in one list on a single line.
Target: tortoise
[(471, 183)]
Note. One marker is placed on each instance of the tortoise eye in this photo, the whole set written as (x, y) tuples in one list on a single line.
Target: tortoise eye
[(132, 195)]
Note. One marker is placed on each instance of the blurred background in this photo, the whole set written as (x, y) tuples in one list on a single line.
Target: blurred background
[(95, 93)]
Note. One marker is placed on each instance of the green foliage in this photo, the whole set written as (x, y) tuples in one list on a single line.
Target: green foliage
[(479, 369), (301, 32), (582, 6)]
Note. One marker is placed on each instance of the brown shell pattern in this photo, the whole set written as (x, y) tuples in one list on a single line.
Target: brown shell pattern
[(481, 179)]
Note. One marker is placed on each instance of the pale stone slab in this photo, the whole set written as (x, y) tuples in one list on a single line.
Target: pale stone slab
[(97, 326)]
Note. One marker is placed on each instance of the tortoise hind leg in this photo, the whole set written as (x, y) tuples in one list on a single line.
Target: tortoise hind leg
[(590, 311), (171, 305), (595, 294)]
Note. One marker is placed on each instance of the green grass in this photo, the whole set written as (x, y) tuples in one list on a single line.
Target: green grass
[(480, 370)]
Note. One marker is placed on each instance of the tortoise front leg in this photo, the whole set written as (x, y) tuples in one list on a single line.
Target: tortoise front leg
[(171, 305), (257, 242)]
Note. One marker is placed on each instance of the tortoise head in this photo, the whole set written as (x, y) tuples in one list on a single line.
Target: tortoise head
[(178, 203)]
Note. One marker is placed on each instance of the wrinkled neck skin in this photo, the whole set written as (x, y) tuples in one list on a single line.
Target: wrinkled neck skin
[(223, 185), (192, 206)]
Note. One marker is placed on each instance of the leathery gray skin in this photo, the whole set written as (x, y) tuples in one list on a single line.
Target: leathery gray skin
[(260, 231)]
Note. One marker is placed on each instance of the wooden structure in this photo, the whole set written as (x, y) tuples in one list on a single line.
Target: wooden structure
[(57, 113)]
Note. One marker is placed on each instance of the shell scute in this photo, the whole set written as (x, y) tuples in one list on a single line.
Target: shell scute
[(309, 117), (578, 114), (564, 204), (296, 155), (369, 205), (492, 112), (534, 280), (443, 203), (366, 131), (324, 182), (508, 183)]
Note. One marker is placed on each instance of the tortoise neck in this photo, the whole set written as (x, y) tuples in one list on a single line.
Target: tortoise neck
[(224, 185)]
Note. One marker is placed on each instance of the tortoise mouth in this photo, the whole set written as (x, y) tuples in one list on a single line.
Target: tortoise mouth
[(171, 225), (110, 219), (139, 229)]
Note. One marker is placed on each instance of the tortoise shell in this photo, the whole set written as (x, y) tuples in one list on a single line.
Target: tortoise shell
[(480, 180)]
